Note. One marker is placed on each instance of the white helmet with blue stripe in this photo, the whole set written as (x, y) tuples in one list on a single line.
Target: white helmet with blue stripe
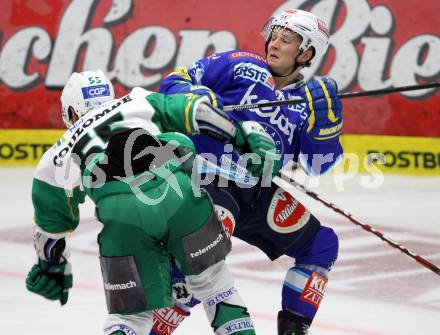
[(83, 92)]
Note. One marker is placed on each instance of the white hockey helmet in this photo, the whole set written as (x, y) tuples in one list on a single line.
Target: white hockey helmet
[(312, 29), (83, 92)]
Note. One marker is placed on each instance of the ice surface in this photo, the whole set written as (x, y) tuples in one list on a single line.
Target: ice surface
[(373, 289)]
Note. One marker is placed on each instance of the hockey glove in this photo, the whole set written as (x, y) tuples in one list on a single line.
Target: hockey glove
[(214, 98), (325, 110), (252, 138), (214, 121), (51, 277)]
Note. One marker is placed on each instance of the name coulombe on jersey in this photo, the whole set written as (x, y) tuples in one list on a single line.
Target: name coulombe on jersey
[(81, 126)]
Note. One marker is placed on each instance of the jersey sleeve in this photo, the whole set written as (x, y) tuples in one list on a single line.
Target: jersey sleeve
[(212, 72), (56, 195), (178, 81), (175, 112)]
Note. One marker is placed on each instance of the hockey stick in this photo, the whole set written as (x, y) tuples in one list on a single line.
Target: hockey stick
[(277, 180), (341, 96)]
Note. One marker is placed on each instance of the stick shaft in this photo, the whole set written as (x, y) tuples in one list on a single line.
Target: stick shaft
[(394, 244), (341, 96), (388, 90)]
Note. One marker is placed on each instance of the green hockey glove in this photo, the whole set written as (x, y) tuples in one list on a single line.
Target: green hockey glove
[(252, 138), (51, 277)]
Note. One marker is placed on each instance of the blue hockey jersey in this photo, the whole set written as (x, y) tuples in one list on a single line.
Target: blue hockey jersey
[(242, 77)]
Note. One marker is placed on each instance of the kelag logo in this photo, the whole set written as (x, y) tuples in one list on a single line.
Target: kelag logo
[(95, 91)]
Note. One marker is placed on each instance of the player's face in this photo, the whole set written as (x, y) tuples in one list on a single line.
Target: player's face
[(282, 50)]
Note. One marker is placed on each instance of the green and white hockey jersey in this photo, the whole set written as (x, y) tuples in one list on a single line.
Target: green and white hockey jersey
[(57, 188)]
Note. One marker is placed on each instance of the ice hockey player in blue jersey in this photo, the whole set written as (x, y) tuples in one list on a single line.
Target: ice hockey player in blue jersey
[(307, 134)]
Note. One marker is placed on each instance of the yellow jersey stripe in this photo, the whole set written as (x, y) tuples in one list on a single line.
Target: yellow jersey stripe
[(188, 114), (213, 99)]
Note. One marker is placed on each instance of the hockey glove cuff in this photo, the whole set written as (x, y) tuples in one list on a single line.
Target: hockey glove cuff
[(214, 99), (325, 110), (214, 121)]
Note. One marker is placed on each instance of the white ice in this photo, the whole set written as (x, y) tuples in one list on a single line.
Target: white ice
[(373, 289)]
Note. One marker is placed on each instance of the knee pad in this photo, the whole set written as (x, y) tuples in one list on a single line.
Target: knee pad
[(223, 305), (320, 251), (216, 278)]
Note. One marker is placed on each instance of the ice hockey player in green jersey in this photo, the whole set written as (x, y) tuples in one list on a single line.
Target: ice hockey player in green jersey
[(131, 157)]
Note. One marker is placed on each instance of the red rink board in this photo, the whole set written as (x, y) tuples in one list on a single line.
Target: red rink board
[(375, 44)]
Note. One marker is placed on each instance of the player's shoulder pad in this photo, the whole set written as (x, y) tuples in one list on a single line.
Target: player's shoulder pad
[(181, 71), (139, 91)]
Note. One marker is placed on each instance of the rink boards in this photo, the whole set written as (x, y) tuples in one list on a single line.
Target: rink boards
[(363, 153)]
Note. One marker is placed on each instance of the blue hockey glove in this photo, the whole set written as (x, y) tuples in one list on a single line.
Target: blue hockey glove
[(252, 138), (51, 277), (214, 98), (325, 110)]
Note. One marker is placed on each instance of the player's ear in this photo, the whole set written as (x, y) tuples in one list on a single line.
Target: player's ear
[(73, 117), (306, 56)]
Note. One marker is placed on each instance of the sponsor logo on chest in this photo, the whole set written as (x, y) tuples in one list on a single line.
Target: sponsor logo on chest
[(275, 116), (254, 73)]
